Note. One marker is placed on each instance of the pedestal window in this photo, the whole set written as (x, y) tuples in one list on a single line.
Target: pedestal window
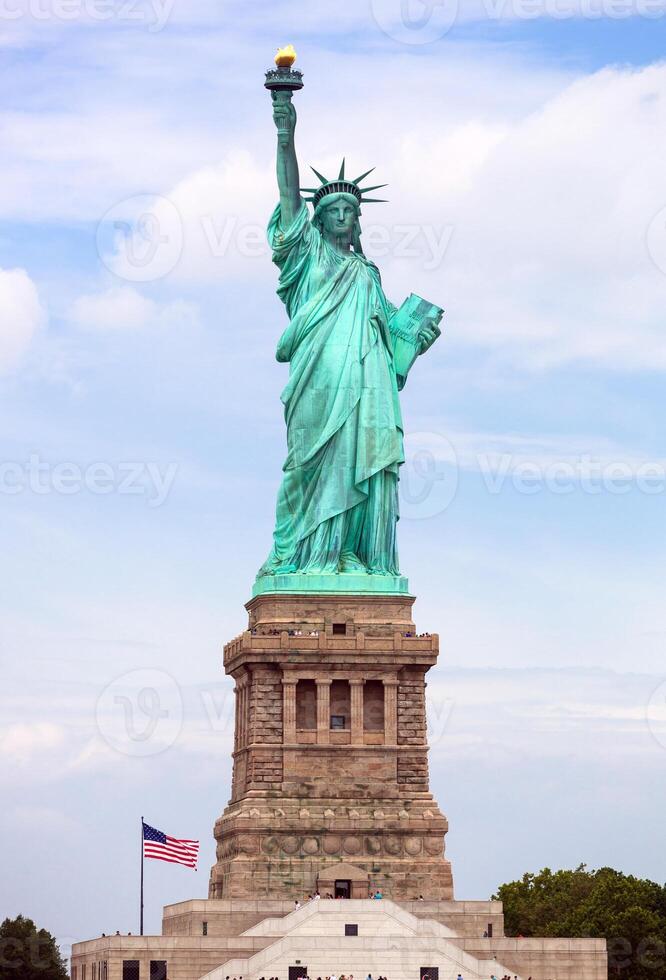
[(306, 705), (373, 706), (340, 706)]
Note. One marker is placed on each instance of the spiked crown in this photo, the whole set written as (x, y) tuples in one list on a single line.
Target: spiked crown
[(342, 185)]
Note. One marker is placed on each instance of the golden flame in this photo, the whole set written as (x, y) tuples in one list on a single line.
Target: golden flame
[(285, 57)]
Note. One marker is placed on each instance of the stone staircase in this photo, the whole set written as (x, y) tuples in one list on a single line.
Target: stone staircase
[(371, 914), (391, 942)]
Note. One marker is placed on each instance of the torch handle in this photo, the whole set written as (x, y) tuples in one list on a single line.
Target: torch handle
[(283, 126), (282, 98)]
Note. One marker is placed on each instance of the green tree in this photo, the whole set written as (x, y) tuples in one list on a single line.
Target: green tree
[(630, 913), (29, 953)]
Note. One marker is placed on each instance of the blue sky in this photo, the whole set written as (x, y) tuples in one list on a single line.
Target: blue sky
[(142, 434)]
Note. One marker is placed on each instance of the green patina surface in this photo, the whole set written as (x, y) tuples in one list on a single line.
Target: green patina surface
[(327, 584), (337, 506)]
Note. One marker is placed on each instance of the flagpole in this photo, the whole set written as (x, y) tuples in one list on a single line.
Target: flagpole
[(141, 915)]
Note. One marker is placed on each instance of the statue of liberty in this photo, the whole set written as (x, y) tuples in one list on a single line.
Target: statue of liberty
[(337, 506)]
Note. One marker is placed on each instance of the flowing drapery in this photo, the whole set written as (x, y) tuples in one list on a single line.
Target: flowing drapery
[(337, 505)]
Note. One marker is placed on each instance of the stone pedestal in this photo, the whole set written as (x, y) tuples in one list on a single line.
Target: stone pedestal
[(330, 792), (330, 755)]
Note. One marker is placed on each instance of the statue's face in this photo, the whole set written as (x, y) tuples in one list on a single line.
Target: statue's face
[(338, 217)]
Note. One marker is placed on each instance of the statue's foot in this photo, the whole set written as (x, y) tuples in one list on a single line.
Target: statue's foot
[(283, 569), (349, 562), (377, 570)]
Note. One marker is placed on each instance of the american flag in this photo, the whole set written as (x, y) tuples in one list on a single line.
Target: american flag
[(164, 848)]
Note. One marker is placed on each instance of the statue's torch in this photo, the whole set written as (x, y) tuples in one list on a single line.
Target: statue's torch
[(282, 81)]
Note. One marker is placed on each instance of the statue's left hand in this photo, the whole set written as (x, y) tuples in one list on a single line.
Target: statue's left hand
[(428, 334)]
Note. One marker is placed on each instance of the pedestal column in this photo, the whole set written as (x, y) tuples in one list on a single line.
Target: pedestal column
[(237, 718), (242, 712), (390, 712), (289, 710), (246, 712), (323, 710), (356, 685)]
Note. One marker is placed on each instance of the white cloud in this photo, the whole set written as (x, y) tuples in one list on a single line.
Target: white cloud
[(34, 818), (124, 308), (548, 261), (543, 713), (210, 226), (21, 742), (21, 316), (89, 153)]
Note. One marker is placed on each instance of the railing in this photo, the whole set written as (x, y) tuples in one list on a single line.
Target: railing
[(396, 642)]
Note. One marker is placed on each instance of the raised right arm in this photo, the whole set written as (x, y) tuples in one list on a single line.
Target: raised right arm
[(284, 115)]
